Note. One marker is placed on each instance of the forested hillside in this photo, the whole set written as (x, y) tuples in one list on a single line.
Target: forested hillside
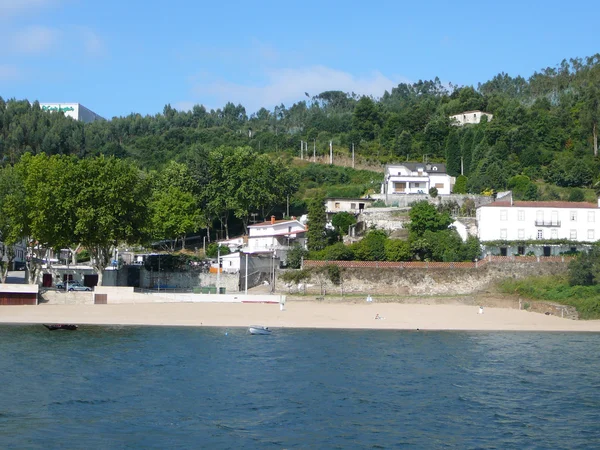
[(544, 127)]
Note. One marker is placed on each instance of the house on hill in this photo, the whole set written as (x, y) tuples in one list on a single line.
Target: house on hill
[(416, 178), (577, 222), (469, 117)]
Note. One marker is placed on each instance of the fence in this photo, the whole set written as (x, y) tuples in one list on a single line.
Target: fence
[(439, 265)]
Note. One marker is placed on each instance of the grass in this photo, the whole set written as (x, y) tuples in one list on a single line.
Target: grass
[(586, 299)]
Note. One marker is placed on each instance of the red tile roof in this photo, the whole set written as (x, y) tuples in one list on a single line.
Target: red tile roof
[(268, 222), (571, 205)]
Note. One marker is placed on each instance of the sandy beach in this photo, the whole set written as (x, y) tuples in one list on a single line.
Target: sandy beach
[(305, 314)]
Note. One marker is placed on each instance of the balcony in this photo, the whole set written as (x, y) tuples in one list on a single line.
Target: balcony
[(547, 223)]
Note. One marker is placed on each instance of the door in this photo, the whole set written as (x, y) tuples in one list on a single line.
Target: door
[(400, 187)]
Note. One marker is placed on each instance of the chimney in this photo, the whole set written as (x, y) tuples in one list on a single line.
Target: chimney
[(272, 220), (598, 202)]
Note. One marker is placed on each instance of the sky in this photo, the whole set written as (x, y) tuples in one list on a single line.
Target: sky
[(133, 56)]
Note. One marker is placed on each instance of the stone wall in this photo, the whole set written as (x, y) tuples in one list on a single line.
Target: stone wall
[(423, 282)]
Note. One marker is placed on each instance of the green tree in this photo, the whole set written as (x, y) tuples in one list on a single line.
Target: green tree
[(295, 256), (460, 187), (317, 220), (342, 221), (425, 217), (397, 250), (371, 247), (585, 269)]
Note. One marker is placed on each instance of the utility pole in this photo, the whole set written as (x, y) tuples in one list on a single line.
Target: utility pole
[(461, 166), (314, 150), (330, 152), (218, 268), (246, 277), (353, 155), (301, 149)]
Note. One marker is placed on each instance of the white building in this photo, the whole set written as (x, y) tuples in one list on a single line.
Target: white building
[(469, 117), (522, 221), (417, 178), (275, 236), (231, 263), (349, 205), (73, 110)]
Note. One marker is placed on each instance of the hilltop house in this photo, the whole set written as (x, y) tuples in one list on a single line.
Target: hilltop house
[(416, 178), (349, 205), (469, 117), (578, 222)]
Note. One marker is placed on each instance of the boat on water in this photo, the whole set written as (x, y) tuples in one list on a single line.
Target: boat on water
[(61, 326), (258, 329)]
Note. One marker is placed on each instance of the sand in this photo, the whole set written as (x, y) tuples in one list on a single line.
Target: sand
[(303, 314)]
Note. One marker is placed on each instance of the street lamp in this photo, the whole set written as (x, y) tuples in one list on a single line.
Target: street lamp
[(218, 268)]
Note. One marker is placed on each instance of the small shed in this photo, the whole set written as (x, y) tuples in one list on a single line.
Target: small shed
[(19, 294)]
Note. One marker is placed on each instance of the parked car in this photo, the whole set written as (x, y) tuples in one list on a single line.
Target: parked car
[(69, 284), (78, 287)]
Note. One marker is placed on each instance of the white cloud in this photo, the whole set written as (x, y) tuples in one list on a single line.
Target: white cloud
[(14, 7), (289, 85), (35, 39), (8, 72), (93, 45)]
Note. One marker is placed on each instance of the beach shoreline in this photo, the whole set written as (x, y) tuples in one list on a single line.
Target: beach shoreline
[(300, 314)]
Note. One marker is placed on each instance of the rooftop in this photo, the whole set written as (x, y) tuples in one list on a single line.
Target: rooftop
[(571, 205)]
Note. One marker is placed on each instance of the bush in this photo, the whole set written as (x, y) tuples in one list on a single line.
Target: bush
[(212, 251), (433, 192), (295, 256)]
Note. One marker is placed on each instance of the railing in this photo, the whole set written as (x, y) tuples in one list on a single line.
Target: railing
[(547, 223)]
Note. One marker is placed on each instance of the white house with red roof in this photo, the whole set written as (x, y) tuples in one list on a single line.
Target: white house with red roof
[(526, 221), (275, 236)]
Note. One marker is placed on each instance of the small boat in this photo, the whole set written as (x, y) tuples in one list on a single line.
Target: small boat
[(258, 329), (59, 326)]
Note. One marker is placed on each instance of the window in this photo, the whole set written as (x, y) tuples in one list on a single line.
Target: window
[(540, 234), (554, 234), (591, 216), (521, 233), (591, 235), (289, 229), (503, 233), (503, 214), (439, 185), (521, 215), (573, 216), (573, 234), (417, 185), (352, 205), (521, 250), (336, 205)]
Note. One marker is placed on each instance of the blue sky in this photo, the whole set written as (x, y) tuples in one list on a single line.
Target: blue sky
[(119, 57)]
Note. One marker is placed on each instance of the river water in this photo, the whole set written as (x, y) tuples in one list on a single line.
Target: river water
[(169, 387)]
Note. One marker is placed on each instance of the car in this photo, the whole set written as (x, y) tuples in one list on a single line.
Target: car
[(78, 287), (69, 284)]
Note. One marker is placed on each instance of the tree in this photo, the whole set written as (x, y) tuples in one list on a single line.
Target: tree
[(460, 187), (425, 217), (174, 207), (295, 256), (12, 219), (111, 206), (590, 113), (371, 247), (397, 250), (342, 221), (317, 219), (585, 269)]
